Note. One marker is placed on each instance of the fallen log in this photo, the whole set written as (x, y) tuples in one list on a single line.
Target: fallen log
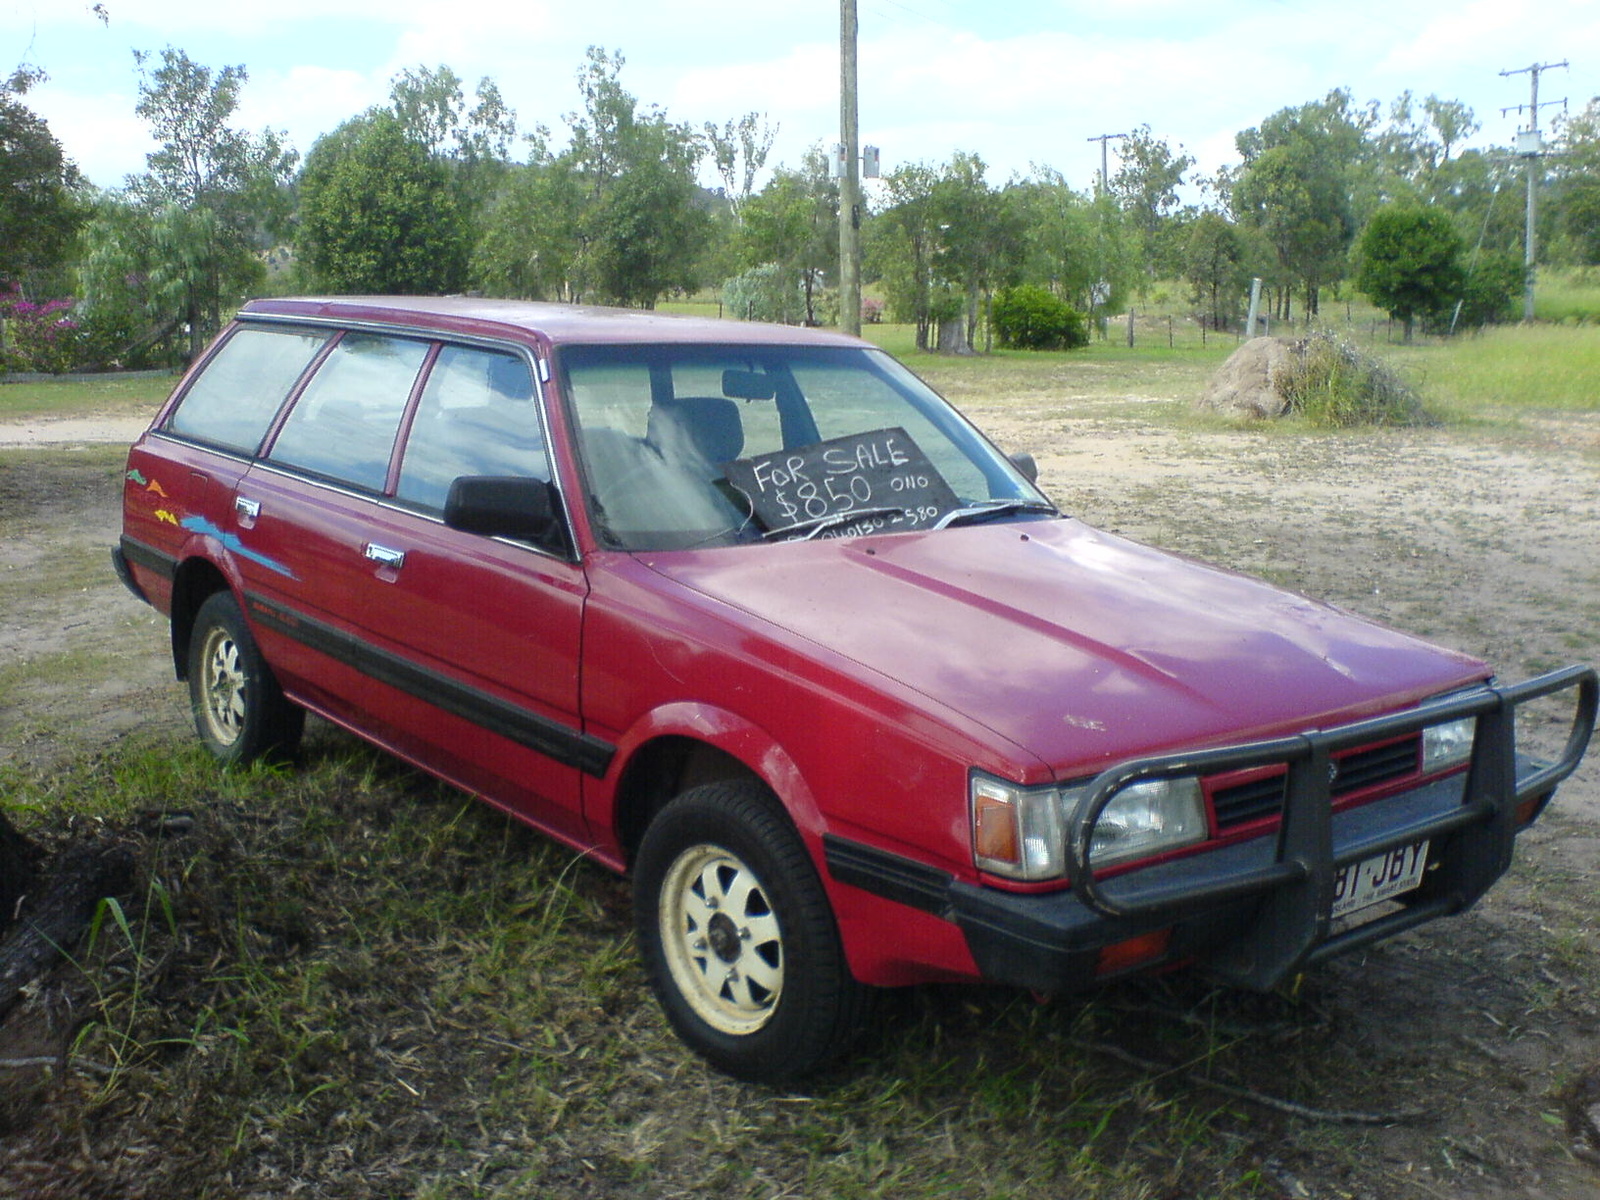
[(83, 875)]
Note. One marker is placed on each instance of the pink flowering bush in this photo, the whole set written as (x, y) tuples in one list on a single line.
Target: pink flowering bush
[(37, 337), (871, 310)]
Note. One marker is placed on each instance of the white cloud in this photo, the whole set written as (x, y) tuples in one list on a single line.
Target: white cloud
[(99, 132), (302, 100)]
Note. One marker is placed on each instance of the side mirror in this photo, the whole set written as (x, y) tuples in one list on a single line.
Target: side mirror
[(510, 506), (1024, 462)]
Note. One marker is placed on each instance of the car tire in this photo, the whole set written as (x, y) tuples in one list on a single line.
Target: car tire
[(239, 710), (738, 939)]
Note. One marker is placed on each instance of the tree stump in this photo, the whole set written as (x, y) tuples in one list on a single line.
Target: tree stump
[(17, 856), (82, 876)]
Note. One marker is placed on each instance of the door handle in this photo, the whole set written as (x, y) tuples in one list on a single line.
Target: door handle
[(247, 509), (384, 556)]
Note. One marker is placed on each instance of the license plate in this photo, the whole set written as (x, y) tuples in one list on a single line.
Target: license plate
[(1378, 878)]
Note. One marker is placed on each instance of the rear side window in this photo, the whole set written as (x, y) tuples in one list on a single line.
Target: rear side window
[(234, 399), (345, 421), (478, 416)]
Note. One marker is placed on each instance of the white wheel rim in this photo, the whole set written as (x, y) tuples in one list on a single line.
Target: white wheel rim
[(222, 687), (721, 939)]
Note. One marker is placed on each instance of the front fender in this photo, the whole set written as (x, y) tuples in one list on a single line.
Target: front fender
[(734, 735)]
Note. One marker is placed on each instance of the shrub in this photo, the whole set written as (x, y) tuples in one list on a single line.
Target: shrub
[(764, 293), (1492, 289), (1030, 318), (1333, 384), (38, 337)]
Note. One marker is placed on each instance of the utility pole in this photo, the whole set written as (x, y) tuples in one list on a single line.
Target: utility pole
[(1103, 139), (850, 179), (1531, 147)]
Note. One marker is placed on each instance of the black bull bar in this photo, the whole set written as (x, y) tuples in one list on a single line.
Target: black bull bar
[(1293, 928)]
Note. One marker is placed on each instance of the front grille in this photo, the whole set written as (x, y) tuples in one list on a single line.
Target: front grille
[(1359, 769), (1249, 801)]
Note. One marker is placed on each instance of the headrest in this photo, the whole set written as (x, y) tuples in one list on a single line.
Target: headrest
[(707, 427)]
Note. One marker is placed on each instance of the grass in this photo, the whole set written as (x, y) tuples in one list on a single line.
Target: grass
[(1512, 367), (119, 396), (352, 975), (1568, 297)]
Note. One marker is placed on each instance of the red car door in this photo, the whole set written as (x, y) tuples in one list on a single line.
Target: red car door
[(454, 650)]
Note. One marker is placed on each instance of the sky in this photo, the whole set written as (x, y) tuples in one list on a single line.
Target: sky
[(1018, 82)]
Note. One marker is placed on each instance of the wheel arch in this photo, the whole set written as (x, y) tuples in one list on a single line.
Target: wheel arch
[(660, 769), (195, 580), (688, 745)]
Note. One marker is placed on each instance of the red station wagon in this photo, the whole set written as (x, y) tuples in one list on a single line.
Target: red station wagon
[(753, 615)]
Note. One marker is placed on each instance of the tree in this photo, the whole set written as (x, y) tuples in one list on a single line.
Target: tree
[(1490, 291), (41, 202), (474, 142), (1146, 188), (1214, 265), (378, 213), (1411, 156), (1031, 318), (944, 243), (646, 233), (529, 238), (1296, 182), (1062, 237), (1576, 195), (980, 241), (205, 165), (641, 223), (792, 225), (617, 215), (1409, 262), (739, 150), (899, 246)]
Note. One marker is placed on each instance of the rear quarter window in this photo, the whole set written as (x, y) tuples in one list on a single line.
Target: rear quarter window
[(234, 399)]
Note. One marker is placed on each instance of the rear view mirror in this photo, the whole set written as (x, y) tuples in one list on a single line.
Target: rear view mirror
[(748, 385), (1025, 462)]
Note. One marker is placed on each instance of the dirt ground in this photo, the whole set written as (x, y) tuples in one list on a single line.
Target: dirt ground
[(1486, 539)]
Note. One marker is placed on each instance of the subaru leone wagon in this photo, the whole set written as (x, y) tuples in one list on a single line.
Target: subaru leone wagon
[(754, 616)]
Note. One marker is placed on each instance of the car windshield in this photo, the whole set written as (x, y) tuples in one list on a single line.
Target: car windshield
[(695, 445)]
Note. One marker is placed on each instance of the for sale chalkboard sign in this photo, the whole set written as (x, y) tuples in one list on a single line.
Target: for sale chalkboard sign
[(865, 483)]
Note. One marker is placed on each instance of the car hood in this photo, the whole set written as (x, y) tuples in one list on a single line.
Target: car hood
[(1076, 646)]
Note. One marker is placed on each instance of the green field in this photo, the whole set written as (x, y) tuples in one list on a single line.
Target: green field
[(110, 395)]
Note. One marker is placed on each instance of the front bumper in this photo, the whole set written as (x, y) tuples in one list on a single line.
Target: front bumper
[(1257, 911)]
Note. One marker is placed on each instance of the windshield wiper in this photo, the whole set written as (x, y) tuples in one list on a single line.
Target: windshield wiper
[(989, 509), (832, 521)]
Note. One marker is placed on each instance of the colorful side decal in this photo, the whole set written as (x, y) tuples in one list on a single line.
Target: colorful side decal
[(231, 542)]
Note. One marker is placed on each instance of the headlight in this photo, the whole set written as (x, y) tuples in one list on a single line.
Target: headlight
[(1448, 745), (1020, 833), (1149, 818)]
